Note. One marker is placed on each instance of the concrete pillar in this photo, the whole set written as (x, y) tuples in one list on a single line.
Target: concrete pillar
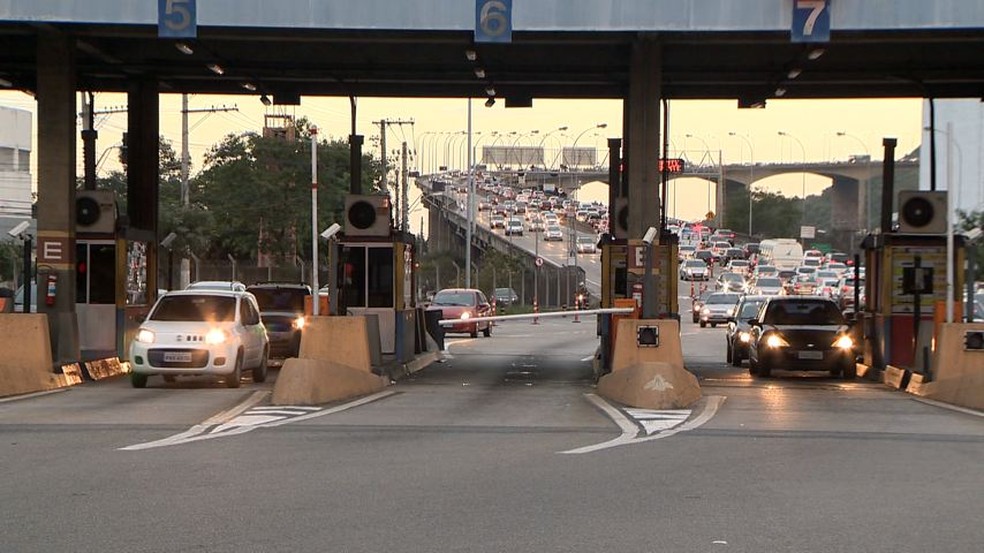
[(143, 162), (643, 137), (848, 204), (56, 191)]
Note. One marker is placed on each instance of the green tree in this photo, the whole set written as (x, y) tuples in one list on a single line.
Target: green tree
[(258, 191)]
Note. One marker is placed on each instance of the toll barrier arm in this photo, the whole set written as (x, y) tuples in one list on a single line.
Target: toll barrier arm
[(524, 316)]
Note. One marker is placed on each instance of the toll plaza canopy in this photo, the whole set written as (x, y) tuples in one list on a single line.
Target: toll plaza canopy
[(555, 48)]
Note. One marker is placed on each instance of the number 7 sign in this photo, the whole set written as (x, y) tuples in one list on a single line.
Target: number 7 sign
[(811, 21)]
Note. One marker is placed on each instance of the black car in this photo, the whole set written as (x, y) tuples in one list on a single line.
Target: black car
[(801, 334), (282, 311), (739, 331)]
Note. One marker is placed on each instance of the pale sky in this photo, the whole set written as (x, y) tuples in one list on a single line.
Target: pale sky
[(814, 123)]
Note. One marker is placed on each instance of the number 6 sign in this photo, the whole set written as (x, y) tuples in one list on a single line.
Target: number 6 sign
[(811, 21), (493, 21), (177, 19)]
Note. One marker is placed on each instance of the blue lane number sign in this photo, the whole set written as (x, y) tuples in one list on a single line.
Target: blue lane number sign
[(493, 21), (811, 21), (177, 19)]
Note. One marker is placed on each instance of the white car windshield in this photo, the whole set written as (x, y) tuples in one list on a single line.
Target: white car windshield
[(454, 299), (195, 308)]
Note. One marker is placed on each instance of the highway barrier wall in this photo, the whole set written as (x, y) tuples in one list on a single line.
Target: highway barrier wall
[(342, 340), (958, 372), (25, 355), (647, 368)]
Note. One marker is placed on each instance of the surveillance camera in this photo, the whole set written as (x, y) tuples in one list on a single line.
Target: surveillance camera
[(331, 231), (650, 236), (168, 240), (18, 230)]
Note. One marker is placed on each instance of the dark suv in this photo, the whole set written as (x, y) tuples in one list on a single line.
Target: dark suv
[(801, 334), (282, 312)]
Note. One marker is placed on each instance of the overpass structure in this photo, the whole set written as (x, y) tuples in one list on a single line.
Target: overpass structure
[(640, 52)]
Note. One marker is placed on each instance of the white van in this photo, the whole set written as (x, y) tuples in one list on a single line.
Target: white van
[(783, 253)]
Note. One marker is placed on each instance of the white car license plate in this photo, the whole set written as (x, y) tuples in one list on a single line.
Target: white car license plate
[(811, 355), (177, 357)]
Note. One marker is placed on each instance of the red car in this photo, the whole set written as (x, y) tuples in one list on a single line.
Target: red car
[(463, 304)]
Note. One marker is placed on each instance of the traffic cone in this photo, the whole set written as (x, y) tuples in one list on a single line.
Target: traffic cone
[(536, 311)]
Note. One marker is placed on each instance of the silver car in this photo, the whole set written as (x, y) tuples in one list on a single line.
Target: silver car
[(718, 308), (694, 269)]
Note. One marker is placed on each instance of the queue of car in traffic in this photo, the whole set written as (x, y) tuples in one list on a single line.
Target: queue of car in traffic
[(777, 318)]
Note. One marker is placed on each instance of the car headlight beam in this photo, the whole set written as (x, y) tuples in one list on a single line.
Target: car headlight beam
[(844, 342), (744, 337), (465, 316), (299, 323), (216, 336), (145, 336), (776, 341)]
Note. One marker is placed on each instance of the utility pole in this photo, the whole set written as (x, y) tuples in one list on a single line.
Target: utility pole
[(89, 136), (404, 201), (185, 278), (383, 125)]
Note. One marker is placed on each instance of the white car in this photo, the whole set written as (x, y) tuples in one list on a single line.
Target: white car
[(586, 244), (201, 333), (553, 233), (694, 269)]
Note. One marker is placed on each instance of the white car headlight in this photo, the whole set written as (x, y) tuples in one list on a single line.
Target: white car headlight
[(775, 341), (299, 323), (744, 337), (466, 315), (705, 311), (145, 336), (216, 336), (731, 311), (844, 342)]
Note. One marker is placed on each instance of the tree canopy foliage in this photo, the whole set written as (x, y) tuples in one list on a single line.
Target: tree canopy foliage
[(253, 194)]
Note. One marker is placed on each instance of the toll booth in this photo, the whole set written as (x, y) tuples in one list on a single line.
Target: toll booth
[(623, 269), (377, 277), (905, 281)]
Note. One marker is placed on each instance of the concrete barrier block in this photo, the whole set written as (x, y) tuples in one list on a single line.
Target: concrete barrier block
[(25, 355), (651, 386), (315, 382), (342, 340), (106, 368), (894, 377), (628, 354), (957, 375)]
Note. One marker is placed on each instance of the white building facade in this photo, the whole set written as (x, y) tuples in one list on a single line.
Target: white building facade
[(15, 167)]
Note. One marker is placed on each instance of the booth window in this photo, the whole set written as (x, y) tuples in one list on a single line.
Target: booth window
[(380, 282), (354, 276)]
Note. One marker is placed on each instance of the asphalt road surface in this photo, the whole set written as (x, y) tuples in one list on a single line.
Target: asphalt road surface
[(502, 447)]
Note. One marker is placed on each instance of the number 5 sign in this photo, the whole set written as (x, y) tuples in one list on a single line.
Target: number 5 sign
[(811, 21), (177, 19), (493, 21)]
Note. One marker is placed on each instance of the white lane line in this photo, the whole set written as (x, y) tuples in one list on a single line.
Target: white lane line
[(711, 406), (229, 414), (629, 430), (942, 405), (680, 414), (280, 407), (201, 432)]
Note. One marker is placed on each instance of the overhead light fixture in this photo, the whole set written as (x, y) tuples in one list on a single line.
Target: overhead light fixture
[(250, 87), (780, 92), (490, 90), (216, 68), (794, 72), (471, 55), (265, 100), (479, 72), (184, 48), (751, 103), (816, 53), (4, 83), (490, 102)]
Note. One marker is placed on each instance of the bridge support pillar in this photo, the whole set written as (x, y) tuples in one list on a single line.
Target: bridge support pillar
[(56, 192), (642, 137)]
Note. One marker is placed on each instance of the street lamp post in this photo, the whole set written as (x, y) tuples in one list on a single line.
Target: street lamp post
[(867, 179), (707, 149), (751, 176), (572, 236), (544, 139), (803, 151)]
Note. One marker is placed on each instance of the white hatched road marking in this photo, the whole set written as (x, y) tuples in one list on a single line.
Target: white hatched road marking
[(258, 417), (656, 424)]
